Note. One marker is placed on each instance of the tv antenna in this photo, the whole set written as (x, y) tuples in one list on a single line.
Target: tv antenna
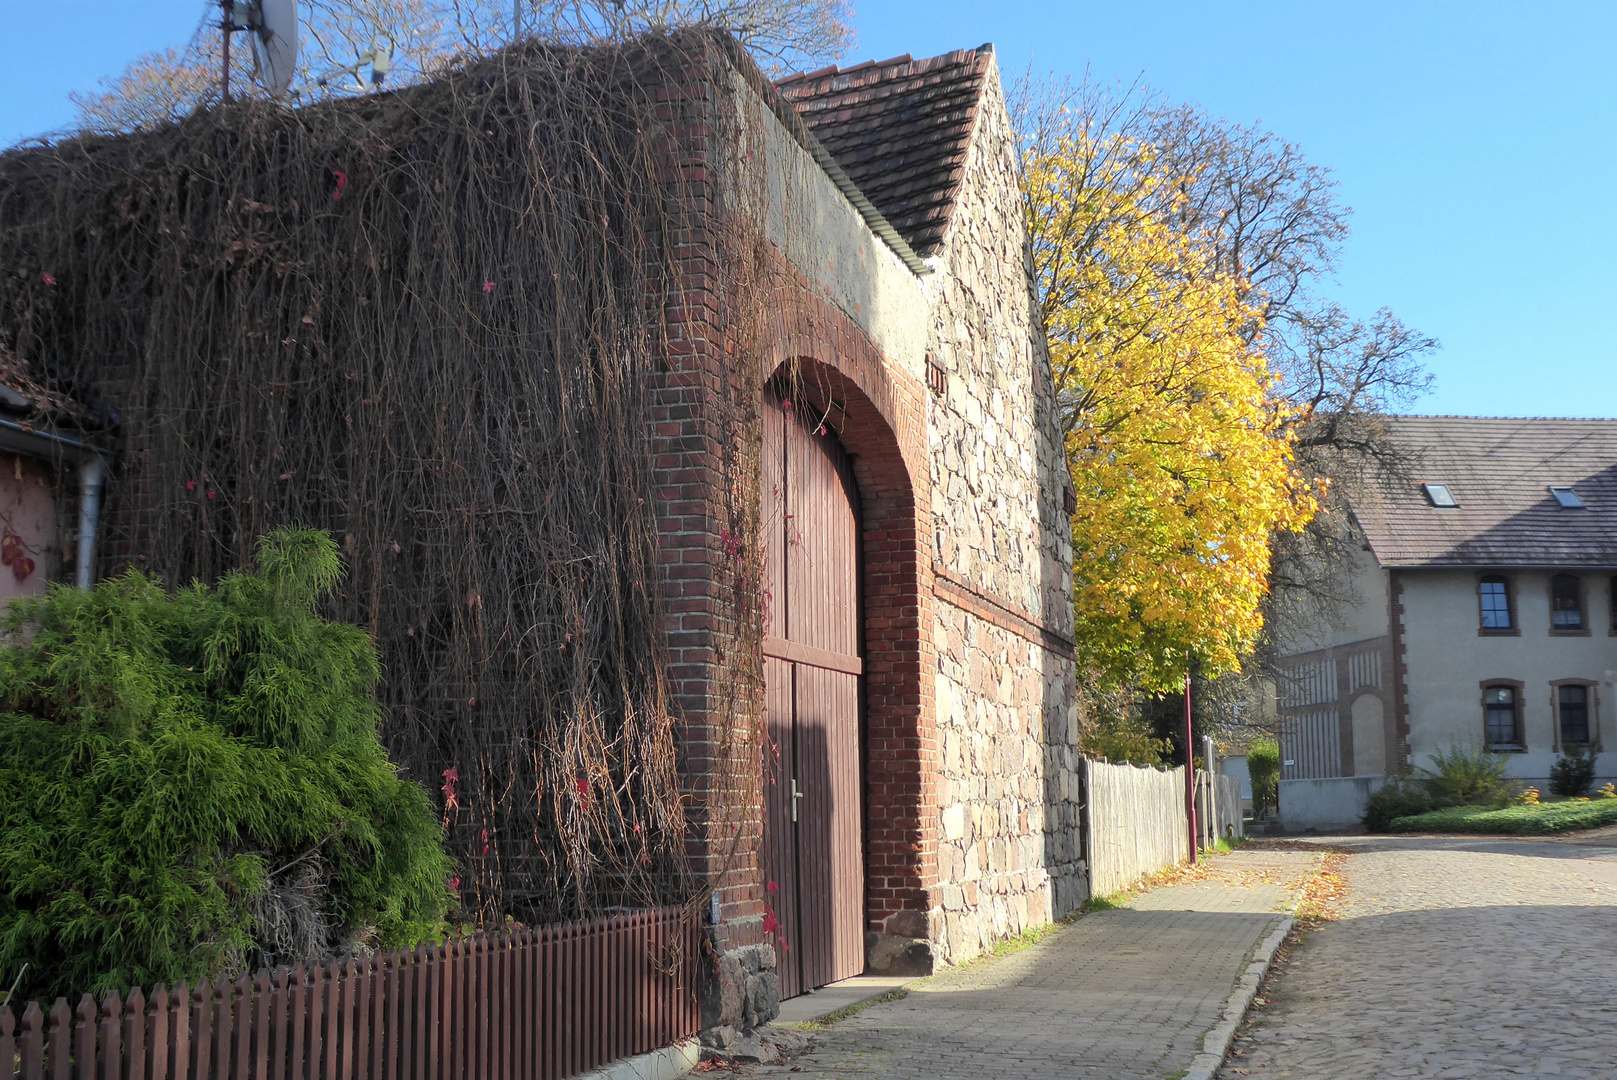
[(272, 30)]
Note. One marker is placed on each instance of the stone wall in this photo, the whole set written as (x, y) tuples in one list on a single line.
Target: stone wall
[(850, 314), (1008, 845), (972, 783)]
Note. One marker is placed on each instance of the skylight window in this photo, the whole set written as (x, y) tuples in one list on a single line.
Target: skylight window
[(1441, 496), (1568, 498)]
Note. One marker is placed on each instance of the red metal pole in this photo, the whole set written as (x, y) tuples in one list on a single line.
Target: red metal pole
[(1190, 772)]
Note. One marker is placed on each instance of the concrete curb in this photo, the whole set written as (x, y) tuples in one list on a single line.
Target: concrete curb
[(666, 1064), (1216, 1043), (807, 1008)]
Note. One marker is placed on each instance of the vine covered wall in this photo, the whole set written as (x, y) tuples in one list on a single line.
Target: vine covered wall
[(434, 322)]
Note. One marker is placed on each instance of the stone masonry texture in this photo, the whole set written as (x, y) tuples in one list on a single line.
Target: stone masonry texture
[(1008, 854), (938, 387)]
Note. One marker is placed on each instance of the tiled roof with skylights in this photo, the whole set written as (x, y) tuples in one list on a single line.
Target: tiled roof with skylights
[(1497, 491)]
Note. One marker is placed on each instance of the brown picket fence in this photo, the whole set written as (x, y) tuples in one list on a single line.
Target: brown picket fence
[(540, 1004)]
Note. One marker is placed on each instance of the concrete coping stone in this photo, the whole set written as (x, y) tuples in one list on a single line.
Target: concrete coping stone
[(667, 1063), (806, 1008)]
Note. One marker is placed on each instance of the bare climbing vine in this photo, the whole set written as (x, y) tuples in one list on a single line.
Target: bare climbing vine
[(435, 323)]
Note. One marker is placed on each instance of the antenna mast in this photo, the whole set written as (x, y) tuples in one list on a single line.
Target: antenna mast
[(226, 24)]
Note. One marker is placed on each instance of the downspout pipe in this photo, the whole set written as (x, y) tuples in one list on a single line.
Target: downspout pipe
[(92, 474), (92, 469)]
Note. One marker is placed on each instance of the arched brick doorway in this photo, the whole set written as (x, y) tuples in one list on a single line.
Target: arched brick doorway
[(813, 697)]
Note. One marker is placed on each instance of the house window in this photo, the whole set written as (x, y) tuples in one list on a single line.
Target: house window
[(1612, 606), (1502, 715), (1493, 596), (1572, 710), (1566, 604)]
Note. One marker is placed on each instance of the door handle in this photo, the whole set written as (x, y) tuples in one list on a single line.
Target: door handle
[(795, 796)]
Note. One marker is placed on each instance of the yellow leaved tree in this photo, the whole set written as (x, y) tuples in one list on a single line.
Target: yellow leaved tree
[(1178, 443)]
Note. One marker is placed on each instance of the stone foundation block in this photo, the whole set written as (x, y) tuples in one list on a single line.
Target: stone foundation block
[(743, 995), (892, 954)]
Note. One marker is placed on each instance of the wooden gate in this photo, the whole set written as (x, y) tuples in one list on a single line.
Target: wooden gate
[(815, 838)]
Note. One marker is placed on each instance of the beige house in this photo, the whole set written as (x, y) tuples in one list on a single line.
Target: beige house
[(1485, 615)]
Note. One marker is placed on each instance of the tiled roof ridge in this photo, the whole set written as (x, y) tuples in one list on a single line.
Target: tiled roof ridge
[(1471, 416), (902, 129), (925, 64)]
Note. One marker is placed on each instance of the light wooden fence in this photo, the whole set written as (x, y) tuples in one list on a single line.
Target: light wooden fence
[(1218, 808), (541, 1004), (1136, 823), (1226, 816)]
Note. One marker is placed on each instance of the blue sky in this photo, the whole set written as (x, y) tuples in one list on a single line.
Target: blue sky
[(1476, 142)]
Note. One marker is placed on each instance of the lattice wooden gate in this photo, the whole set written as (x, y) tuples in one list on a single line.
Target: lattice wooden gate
[(812, 670)]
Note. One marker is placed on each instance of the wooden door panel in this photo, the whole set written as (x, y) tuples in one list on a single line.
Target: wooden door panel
[(830, 837), (812, 689), (816, 886), (822, 544), (774, 521), (780, 851)]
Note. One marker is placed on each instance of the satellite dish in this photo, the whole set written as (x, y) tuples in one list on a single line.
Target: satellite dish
[(273, 27)]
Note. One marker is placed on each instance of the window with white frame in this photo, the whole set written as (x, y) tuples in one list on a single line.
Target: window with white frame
[(1566, 604)]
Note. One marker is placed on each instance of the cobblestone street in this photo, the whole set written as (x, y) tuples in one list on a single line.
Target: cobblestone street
[(1120, 994), (1453, 957)]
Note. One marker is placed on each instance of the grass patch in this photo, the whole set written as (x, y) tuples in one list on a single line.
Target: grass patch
[(1540, 820), (1026, 939), (848, 1010)]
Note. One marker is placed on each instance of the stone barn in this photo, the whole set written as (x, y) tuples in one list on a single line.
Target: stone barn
[(860, 537)]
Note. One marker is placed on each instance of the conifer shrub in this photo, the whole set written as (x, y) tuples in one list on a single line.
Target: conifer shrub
[(1263, 767), (1399, 797), (194, 784), (1573, 771)]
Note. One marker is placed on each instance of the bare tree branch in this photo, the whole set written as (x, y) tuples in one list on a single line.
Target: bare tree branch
[(422, 38)]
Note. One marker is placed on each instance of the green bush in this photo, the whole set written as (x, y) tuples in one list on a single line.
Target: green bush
[(1573, 772), (1124, 738), (1467, 775), (1263, 767), (1537, 820), (194, 785), (1399, 797)]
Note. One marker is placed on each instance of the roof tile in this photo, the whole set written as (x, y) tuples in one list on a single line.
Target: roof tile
[(900, 129), (1499, 470)]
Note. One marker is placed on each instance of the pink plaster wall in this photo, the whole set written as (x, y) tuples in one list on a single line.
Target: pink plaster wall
[(28, 509)]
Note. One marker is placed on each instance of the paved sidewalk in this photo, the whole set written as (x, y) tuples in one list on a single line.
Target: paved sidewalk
[(1454, 958), (1116, 995)]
